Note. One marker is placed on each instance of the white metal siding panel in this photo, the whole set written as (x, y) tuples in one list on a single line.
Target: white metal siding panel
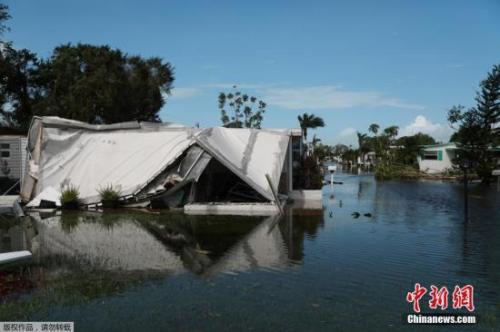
[(14, 160)]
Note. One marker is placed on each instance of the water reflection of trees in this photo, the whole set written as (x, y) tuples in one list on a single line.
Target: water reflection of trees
[(296, 226)]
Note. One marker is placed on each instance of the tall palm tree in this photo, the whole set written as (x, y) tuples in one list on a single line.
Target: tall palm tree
[(391, 131), (374, 128), (363, 148), (309, 121), (315, 140)]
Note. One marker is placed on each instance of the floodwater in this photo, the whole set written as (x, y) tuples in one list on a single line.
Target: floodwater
[(310, 270)]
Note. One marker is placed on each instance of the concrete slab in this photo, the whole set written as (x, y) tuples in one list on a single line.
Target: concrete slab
[(305, 195), (246, 209)]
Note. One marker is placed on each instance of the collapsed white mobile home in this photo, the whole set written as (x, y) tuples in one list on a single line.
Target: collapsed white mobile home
[(159, 164)]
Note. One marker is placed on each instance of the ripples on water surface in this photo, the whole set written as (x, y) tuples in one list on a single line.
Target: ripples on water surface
[(310, 270)]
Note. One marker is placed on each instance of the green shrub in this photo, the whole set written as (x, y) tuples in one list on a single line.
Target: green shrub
[(70, 197), (396, 171), (308, 176), (110, 195)]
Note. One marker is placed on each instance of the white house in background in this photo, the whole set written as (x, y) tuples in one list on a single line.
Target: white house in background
[(368, 159), (12, 156), (436, 158)]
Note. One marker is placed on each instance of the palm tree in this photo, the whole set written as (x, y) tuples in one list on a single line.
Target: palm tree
[(374, 128), (376, 140), (363, 148), (391, 131), (309, 121), (315, 140)]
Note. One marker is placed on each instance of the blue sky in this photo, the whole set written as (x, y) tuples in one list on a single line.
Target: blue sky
[(351, 62)]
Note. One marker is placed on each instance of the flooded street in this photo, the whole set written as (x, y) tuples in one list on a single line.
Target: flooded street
[(308, 270)]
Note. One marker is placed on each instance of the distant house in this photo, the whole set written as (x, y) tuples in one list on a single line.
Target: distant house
[(368, 159), (436, 158), (12, 156)]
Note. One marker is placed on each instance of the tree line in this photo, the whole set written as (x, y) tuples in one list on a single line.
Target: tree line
[(478, 131), (477, 136), (91, 83)]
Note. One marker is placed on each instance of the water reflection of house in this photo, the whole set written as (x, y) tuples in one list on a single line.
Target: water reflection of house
[(123, 244), (88, 255), (139, 243), (263, 247)]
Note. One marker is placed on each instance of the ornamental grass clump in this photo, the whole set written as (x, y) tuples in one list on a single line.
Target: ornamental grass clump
[(110, 196), (70, 197)]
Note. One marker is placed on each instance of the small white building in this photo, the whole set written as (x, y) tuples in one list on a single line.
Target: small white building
[(12, 156), (436, 158), (368, 159)]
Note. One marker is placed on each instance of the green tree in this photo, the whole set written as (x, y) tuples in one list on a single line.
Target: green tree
[(94, 84), (241, 110), (20, 86), (315, 140), (475, 133), (363, 146), (374, 128), (339, 149), (4, 17), (350, 155), (323, 152), (311, 121), (391, 132), (410, 147), (97, 84)]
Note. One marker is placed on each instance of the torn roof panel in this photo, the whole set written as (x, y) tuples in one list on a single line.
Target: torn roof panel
[(249, 153), (91, 159)]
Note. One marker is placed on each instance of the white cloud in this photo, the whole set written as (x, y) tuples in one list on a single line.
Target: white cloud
[(304, 98), (347, 136), (422, 125), (330, 97), (179, 93)]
